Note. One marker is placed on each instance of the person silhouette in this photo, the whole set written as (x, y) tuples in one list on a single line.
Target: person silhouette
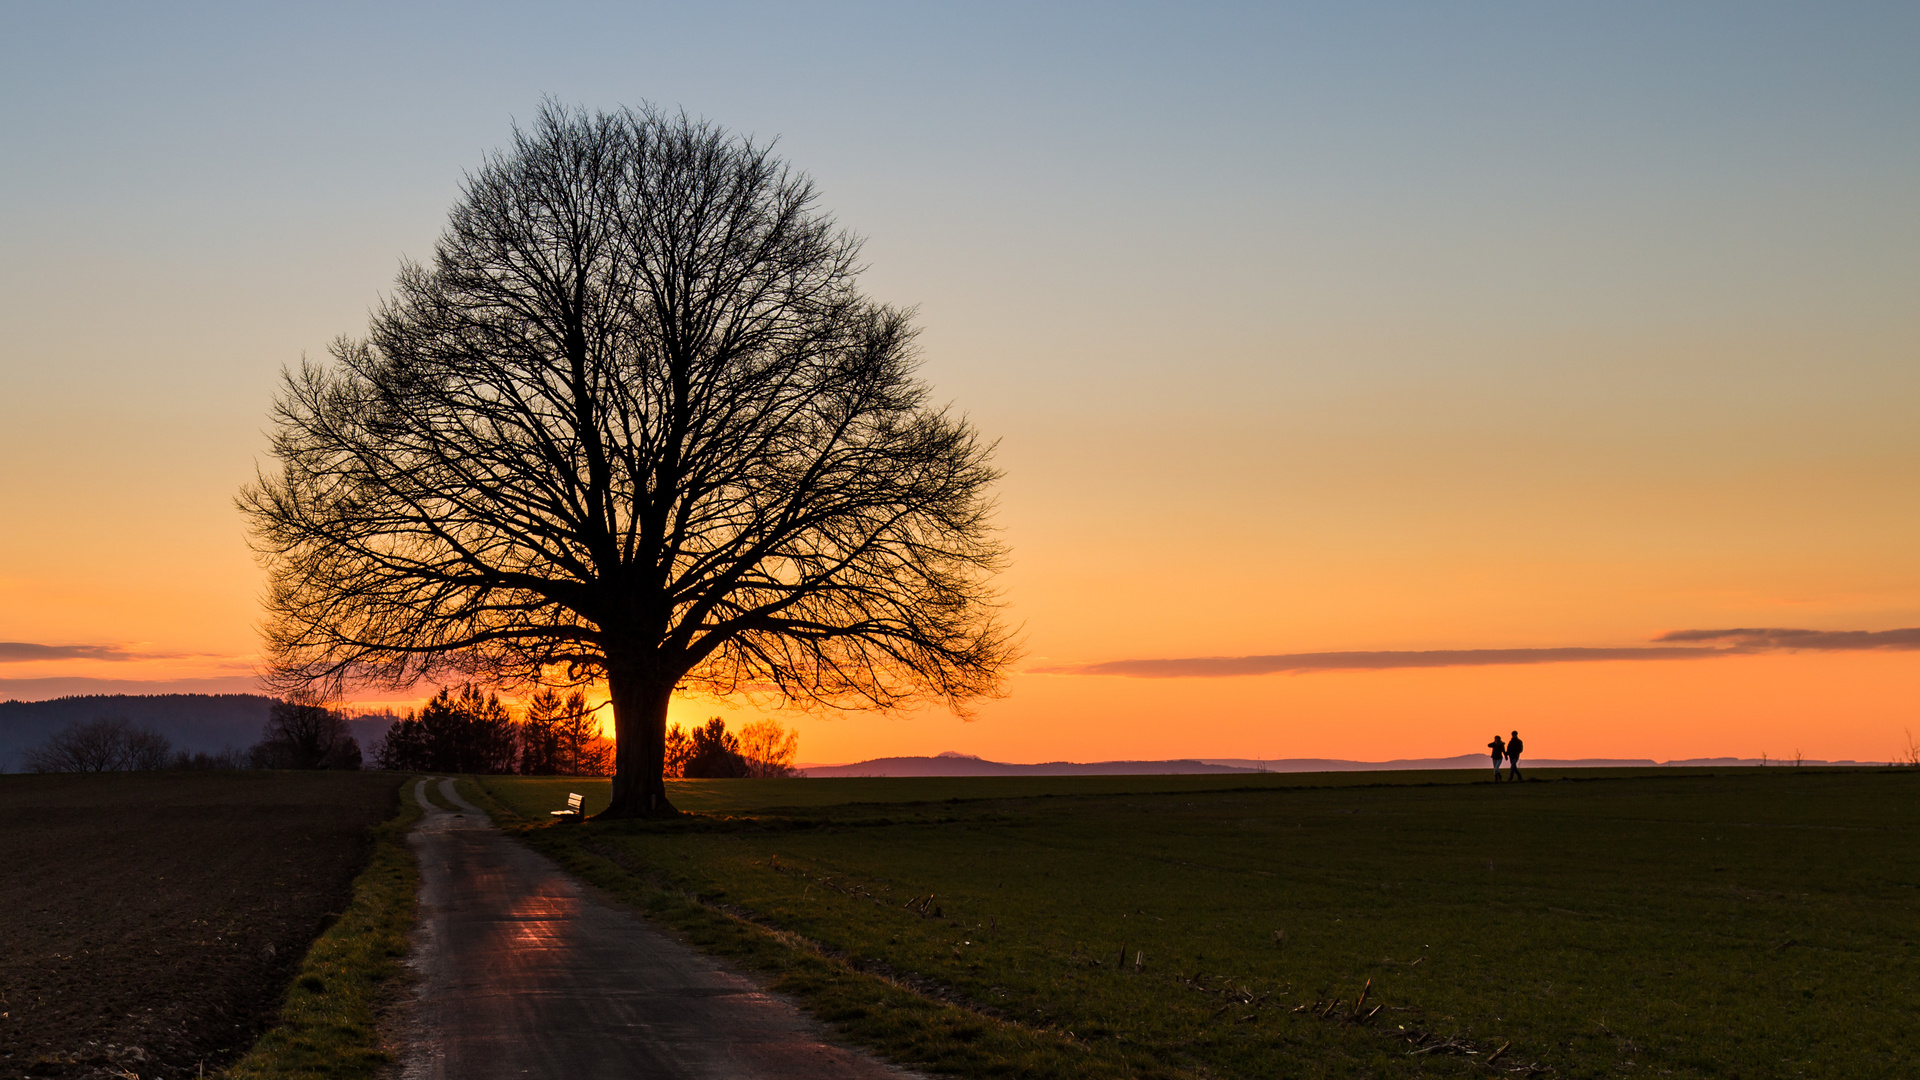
[(1513, 757), (1499, 751)]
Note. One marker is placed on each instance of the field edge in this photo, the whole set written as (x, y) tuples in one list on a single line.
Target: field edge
[(328, 1022)]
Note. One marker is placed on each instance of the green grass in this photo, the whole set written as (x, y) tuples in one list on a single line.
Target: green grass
[(434, 795), (532, 797), (328, 1024), (1666, 922)]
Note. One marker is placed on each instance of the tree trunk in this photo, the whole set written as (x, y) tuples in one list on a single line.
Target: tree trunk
[(640, 745)]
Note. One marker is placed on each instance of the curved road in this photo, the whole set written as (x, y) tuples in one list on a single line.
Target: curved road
[(526, 973)]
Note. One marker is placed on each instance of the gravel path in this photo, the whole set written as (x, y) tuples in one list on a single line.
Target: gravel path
[(526, 973)]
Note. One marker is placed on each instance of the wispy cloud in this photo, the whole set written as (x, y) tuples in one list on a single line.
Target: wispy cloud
[(21, 651), (24, 652), (1201, 667), (1776, 638), (1678, 645)]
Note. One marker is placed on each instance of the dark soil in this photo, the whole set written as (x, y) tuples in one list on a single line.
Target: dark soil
[(150, 922)]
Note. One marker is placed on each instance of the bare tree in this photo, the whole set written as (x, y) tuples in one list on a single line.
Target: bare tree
[(303, 733), (107, 744), (770, 749), (635, 423)]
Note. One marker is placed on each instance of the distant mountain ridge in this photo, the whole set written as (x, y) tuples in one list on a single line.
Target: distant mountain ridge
[(952, 764)]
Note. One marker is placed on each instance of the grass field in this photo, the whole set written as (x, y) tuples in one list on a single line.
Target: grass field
[(1750, 923)]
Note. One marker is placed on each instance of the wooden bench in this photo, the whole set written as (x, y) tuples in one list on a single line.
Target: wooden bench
[(576, 807)]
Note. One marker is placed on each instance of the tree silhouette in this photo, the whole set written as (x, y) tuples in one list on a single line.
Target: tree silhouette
[(303, 733), (560, 736), (583, 752), (104, 744), (713, 753), (635, 423), (464, 732), (540, 733), (404, 748), (769, 748), (678, 749)]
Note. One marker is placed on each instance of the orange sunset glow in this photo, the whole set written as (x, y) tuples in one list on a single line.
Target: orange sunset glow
[(1299, 334)]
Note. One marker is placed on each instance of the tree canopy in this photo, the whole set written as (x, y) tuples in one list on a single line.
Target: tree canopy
[(634, 423)]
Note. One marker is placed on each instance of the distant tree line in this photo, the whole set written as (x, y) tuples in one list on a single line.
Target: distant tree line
[(709, 751), (460, 730), (471, 731), (468, 731), (103, 745)]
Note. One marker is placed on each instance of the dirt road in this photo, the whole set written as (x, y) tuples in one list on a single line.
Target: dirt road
[(525, 973)]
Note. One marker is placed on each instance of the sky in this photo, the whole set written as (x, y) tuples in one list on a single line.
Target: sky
[(1423, 334)]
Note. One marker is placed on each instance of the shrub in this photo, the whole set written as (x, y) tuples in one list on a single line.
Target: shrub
[(200, 759)]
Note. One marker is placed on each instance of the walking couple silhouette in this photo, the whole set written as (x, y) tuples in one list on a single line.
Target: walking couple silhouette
[(1509, 750)]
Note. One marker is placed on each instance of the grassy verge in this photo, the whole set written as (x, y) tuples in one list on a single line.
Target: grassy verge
[(328, 1024), (1689, 923)]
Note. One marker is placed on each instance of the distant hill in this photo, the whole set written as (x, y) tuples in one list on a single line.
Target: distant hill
[(951, 764), (1462, 761), (967, 765), (369, 730), (209, 722)]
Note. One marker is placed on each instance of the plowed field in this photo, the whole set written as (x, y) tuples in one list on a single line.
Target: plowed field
[(150, 922)]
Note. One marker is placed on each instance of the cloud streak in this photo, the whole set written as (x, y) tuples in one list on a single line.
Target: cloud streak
[(1207, 667), (26, 652), (1778, 639), (23, 651), (1677, 645)]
